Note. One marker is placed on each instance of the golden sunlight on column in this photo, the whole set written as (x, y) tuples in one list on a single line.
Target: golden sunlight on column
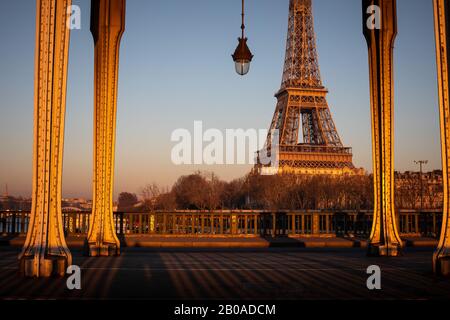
[(107, 27), (45, 252), (441, 258), (380, 30)]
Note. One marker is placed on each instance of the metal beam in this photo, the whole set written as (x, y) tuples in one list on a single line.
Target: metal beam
[(107, 27), (45, 251), (441, 257), (384, 239)]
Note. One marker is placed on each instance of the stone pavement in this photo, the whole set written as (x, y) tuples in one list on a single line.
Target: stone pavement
[(220, 273)]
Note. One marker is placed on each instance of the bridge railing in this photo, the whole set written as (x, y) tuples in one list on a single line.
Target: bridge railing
[(237, 223)]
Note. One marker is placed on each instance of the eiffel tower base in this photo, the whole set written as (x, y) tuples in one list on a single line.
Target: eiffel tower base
[(49, 266)]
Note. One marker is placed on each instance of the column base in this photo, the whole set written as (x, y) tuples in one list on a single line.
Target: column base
[(102, 250), (50, 266), (442, 266), (383, 250)]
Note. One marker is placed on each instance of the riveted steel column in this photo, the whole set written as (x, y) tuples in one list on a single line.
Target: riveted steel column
[(107, 27), (45, 251), (441, 257), (380, 30)]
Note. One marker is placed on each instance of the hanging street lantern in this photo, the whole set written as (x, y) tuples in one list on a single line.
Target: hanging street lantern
[(242, 56)]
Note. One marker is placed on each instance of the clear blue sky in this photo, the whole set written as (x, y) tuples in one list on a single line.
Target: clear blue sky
[(175, 67)]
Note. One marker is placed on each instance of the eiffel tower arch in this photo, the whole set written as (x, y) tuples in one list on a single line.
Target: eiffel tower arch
[(308, 140)]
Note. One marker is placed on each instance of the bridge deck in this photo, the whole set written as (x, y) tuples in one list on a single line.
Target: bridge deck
[(233, 273)]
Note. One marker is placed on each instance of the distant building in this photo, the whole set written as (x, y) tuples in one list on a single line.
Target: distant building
[(409, 194), (76, 204), (14, 204)]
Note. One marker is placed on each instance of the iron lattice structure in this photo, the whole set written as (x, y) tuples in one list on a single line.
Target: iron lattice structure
[(308, 140)]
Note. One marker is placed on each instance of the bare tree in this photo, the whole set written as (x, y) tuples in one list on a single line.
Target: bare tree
[(127, 201), (282, 192), (150, 194)]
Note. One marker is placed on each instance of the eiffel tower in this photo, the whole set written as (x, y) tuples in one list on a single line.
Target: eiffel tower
[(308, 140)]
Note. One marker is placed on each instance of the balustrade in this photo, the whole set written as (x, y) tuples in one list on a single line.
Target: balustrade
[(236, 223)]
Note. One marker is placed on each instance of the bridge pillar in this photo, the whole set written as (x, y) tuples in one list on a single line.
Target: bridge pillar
[(441, 257), (45, 251), (380, 30), (107, 27)]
